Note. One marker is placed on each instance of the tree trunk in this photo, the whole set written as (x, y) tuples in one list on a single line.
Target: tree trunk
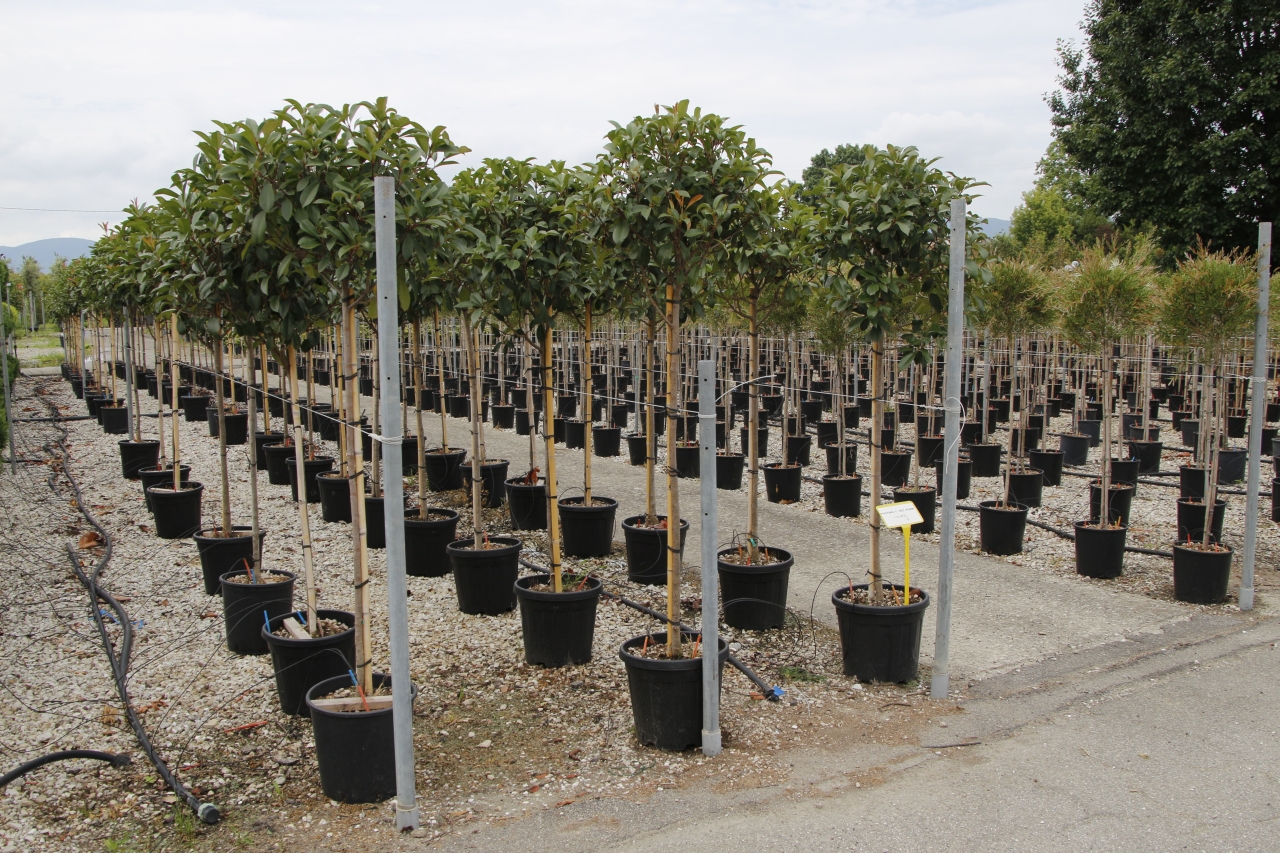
[(587, 415), (304, 517), (477, 522), (222, 441), (549, 438), (753, 427), (877, 437), (674, 562)]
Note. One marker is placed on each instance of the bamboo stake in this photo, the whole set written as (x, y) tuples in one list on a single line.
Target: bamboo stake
[(417, 417), (304, 516), (173, 367), (255, 575), (359, 532), (477, 521), (588, 415), (877, 437), (222, 443), (553, 514), (674, 562)]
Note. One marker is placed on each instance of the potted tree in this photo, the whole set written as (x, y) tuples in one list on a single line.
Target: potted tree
[(678, 190), (1104, 300), (882, 240), (1209, 303)]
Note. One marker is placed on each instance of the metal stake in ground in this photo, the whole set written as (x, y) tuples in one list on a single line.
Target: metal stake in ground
[(407, 816), (710, 593), (940, 682), (1258, 389)]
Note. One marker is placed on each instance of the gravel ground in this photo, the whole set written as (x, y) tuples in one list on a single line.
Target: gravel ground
[(496, 739)]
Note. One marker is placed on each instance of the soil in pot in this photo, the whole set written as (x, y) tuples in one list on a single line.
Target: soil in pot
[(176, 513), (527, 503), (485, 577), (426, 542), (647, 548), (221, 554), (311, 469), (1201, 576), (754, 594), (558, 627), (1001, 527), (301, 663), (136, 455), (782, 484), (880, 643), (1120, 501), (248, 606), (444, 469), (666, 695), (1099, 550), (355, 749), (1191, 513), (926, 500), (729, 467), (587, 531)]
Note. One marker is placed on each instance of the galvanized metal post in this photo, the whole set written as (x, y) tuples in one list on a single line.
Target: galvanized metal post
[(407, 816), (4, 378), (1257, 410), (941, 681), (710, 579)]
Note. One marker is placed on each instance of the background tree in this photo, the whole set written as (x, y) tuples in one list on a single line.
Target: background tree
[(1168, 111)]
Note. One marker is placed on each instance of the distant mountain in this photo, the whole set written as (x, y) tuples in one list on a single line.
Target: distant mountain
[(45, 250), (996, 227)]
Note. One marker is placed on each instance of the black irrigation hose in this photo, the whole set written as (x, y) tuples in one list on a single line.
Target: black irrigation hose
[(121, 760), (207, 812), (773, 694)]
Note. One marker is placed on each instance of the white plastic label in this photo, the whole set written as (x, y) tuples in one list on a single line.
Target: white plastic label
[(899, 514)]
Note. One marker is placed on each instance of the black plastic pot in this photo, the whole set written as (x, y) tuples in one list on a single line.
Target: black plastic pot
[(985, 459), (895, 467), (194, 406), (177, 514), (301, 664), (1001, 528), (1050, 464), (666, 695), (1120, 502), (762, 440), (850, 457), (964, 477), (355, 750), (636, 447), (335, 497), (261, 440), (930, 449), (647, 550), (1091, 428), (310, 468), (688, 462), (136, 455), (222, 554), (606, 441), (1232, 464), (485, 578), (504, 417), (755, 597), (782, 484), (246, 608), (1147, 455), (558, 627), (444, 470), (277, 468), (1099, 550), (842, 497), (154, 476), (1026, 487), (375, 519), (1075, 449), (115, 420), (527, 504), (587, 530), (237, 427), (1236, 425), (1191, 520), (926, 500), (825, 432), (426, 542), (798, 448), (1125, 471), (522, 421), (1191, 482), (1190, 432), (880, 643), (729, 468), (1201, 577), (575, 435), (493, 476)]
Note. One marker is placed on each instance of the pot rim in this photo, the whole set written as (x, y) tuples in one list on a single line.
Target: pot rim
[(292, 642), (192, 486), (684, 664), (223, 579), (574, 504), (992, 505), (346, 715), (627, 522), (507, 545), (785, 563), (593, 590), (248, 528), (842, 603)]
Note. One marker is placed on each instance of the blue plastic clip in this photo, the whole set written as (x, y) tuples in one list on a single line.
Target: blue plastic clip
[(775, 694), (267, 619)]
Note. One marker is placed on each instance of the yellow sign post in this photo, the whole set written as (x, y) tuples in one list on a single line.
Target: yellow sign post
[(902, 514)]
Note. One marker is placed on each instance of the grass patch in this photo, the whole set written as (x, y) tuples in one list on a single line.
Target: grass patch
[(799, 673)]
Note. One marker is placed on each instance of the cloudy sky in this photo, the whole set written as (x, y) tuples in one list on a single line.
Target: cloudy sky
[(99, 100)]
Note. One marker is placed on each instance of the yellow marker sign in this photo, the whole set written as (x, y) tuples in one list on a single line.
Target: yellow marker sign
[(902, 514)]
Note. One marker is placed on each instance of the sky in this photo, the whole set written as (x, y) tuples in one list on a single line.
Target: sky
[(100, 101)]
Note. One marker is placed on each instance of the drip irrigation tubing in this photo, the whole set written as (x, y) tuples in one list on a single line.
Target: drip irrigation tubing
[(207, 812), (773, 694), (120, 760)]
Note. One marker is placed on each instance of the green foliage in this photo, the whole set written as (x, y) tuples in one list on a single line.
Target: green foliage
[(824, 161), (1166, 112), (1015, 301), (1057, 209), (12, 319), (770, 271), (1210, 301), (1107, 297), (882, 237)]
